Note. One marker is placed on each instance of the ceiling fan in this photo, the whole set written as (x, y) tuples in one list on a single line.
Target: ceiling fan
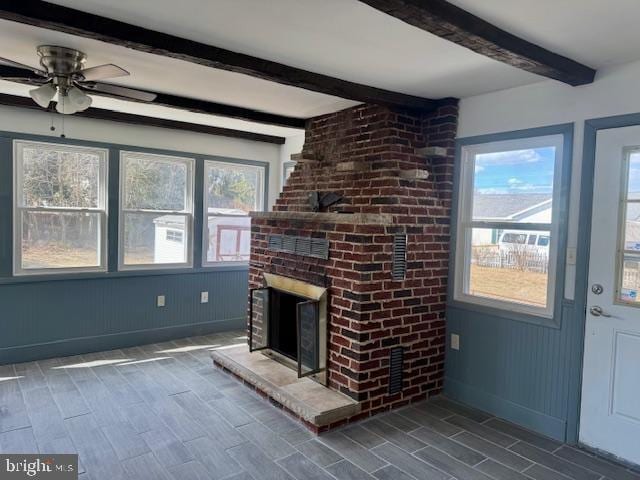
[(63, 73)]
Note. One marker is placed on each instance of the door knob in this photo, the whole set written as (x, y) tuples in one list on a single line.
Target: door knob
[(597, 311)]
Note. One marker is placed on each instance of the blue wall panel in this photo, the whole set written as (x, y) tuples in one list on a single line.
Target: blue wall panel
[(519, 371), (63, 317), (65, 314)]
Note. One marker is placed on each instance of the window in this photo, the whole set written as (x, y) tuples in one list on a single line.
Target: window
[(156, 211), (628, 281), (231, 191), (60, 208), (508, 225), (175, 236)]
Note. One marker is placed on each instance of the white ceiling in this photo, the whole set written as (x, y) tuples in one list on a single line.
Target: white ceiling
[(341, 38)]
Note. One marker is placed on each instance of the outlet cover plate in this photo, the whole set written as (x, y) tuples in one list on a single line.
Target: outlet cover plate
[(455, 341), (160, 301), (204, 297)]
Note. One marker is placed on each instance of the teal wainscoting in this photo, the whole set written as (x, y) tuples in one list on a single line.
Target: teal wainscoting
[(66, 317), (522, 372)]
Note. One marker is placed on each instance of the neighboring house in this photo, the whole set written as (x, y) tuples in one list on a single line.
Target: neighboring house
[(229, 232), (508, 207), (169, 239)]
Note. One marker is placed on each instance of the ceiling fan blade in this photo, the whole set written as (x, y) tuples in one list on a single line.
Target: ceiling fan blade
[(20, 75), (26, 81), (37, 71), (118, 91), (99, 72)]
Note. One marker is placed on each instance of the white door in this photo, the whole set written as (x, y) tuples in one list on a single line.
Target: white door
[(610, 413)]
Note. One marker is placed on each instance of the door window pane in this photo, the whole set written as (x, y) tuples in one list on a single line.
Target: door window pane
[(630, 285), (629, 260)]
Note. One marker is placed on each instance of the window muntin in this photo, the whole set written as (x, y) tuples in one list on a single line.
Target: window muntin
[(628, 276), (231, 191), (59, 208), (156, 195), (508, 223)]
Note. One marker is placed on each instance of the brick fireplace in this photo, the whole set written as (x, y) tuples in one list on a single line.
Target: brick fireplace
[(385, 267)]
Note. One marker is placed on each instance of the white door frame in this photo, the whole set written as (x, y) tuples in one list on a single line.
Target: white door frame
[(591, 128)]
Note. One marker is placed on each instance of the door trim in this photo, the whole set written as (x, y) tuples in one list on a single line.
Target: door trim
[(591, 128)]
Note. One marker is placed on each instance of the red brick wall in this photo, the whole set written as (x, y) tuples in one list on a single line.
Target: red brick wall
[(370, 312)]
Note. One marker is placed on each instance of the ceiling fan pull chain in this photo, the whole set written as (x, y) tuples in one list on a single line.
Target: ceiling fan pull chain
[(62, 135)]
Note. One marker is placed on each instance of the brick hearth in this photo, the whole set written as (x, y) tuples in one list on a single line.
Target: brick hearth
[(395, 169)]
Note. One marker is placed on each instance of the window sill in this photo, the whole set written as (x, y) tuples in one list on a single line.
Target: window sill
[(52, 277), (549, 322)]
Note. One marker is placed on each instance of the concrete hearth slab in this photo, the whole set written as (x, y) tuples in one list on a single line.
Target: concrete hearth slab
[(312, 402)]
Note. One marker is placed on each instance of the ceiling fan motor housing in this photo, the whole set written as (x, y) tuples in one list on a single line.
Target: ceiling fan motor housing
[(61, 61)]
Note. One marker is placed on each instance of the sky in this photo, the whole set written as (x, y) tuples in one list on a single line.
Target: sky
[(634, 174), (518, 171), (530, 171)]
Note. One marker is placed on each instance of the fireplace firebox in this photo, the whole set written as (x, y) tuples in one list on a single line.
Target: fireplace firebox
[(288, 322)]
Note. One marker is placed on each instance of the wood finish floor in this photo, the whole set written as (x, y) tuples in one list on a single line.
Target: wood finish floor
[(163, 412)]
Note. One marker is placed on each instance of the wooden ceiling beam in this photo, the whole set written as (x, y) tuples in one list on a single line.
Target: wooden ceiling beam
[(183, 103), (456, 25), (75, 22), (120, 117)]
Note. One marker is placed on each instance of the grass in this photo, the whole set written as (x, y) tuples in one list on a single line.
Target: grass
[(56, 256), (509, 284)]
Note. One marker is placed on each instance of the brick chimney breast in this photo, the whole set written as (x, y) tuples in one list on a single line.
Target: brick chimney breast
[(395, 168)]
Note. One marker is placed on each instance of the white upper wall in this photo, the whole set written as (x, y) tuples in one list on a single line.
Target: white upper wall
[(614, 92), (292, 145), (37, 123)]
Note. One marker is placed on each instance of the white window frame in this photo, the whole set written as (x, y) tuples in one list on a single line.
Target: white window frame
[(260, 202), (187, 213), (19, 208), (622, 252), (465, 224)]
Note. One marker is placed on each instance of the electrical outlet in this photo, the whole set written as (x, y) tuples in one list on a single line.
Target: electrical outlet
[(455, 341), (204, 297), (160, 302), (571, 256)]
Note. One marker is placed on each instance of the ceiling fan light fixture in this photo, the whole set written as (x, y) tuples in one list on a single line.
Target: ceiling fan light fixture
[(43, 95), (64, 106), (80, 100)]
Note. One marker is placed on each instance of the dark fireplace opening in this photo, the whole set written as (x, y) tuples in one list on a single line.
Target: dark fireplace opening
[(288, 320), (282, 323)]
